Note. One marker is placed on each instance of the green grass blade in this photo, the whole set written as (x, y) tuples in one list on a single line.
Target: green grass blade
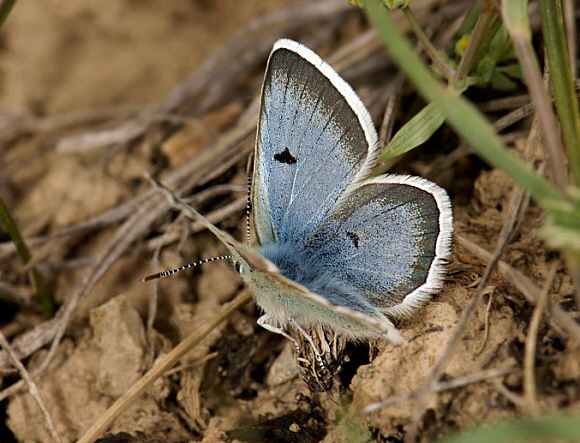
[(515, 18), (415, 132), (42, 294), (5, 8), (562, 80), (460, 114)]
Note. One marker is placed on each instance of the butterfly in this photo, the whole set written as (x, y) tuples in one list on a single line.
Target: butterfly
[(336, 248)]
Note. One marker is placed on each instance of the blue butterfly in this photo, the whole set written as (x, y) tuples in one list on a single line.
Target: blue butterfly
[(336, 249)]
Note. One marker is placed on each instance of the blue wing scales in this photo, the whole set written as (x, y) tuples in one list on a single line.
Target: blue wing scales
[(315, 139), (387, 240)]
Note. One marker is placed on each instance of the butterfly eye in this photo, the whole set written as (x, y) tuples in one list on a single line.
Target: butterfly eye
[(238, 267)]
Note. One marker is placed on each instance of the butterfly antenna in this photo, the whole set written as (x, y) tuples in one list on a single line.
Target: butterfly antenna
[(249, 197), (182, 268)]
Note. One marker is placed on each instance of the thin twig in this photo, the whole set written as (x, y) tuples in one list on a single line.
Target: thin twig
[(153, 298), (189, 366), (355, 51), (522, 42), (160, 367), (441, 386), (486, 322), (447, 71), (513, 117), (530, 351), (215, 217), (516, 399), (504, 103), (393, 94), (560, 318), (486, 22), (32, 387)]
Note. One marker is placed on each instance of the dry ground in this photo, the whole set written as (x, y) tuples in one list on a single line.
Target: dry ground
[(88, 105)]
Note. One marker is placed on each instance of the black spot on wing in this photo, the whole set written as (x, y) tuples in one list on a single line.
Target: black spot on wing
[(355, 238), (285, 157)]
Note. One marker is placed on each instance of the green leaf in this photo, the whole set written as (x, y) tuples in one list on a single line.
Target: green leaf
[(501, 82), (415, 132)]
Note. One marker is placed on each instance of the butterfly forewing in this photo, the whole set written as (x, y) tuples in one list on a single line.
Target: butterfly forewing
[(315, 138)]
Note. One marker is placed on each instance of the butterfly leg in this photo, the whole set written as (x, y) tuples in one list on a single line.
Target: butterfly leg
[(309, 338), (265, 322)]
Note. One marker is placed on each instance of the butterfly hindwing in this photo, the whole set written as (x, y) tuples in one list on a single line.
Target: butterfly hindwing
[(387, 240), (315, 139)]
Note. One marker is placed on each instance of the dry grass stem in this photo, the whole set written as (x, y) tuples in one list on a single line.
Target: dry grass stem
[(32, 387), (160, 367), (441, 386), (531, 341)]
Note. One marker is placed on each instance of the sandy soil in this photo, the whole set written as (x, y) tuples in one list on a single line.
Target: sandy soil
[(87, 108)]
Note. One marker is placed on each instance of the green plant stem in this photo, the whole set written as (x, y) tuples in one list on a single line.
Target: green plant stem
[(5, 8), (562, 80), (41, 292), (478, 132), (514, 14), (486, 21), (447, 71), (570, 23)]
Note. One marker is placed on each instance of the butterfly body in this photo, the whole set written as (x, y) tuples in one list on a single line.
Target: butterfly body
[(305, 268)]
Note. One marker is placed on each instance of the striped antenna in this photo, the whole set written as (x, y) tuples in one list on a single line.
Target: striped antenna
[(182, 268), (249, 197)]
